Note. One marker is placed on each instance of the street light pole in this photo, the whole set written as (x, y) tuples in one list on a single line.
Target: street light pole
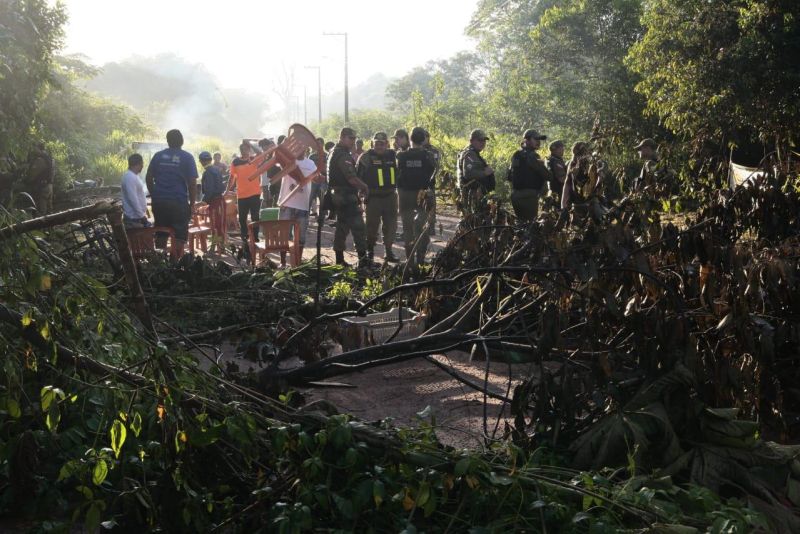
[(319, 90), (346, 87)]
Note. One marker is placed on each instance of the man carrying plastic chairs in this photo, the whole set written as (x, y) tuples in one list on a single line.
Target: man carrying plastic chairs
[(295, 207)]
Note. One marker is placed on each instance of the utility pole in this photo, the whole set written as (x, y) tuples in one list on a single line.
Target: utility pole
[(319, 90), (296, 108), (346, 87), (305, 105)]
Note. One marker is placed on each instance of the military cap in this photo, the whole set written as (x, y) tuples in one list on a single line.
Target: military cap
[(380, 136), (478, 134), (646, 142), (556, 144), (347, 132), (204, 156), (533, 134), (400, 132)]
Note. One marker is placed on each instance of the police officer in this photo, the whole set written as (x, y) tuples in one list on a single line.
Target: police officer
[(579, 185), (475, 176), (377, 168), (345, 186), (528, 177), (557, 167), (400, 140), (431, 195), (415, 168)]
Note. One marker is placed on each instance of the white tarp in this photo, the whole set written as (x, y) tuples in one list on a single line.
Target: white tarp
[(739, 174)]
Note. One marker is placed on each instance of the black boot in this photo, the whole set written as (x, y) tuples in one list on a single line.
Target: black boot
[(340, 258), (364, 260), (370, 254), (389, 256)]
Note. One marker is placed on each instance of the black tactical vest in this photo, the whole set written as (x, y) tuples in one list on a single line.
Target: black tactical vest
[(379, 171), (415, 167), (522, 174)]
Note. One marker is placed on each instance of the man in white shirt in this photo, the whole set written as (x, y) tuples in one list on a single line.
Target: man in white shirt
[(295, 207), (134, 201)]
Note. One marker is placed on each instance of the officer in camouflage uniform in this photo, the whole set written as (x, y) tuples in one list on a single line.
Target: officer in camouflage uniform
[(377, 168), (528, 177), (345, 186), (415, 168), (430, 197), (558, 169), (400, 140), (475, 176)]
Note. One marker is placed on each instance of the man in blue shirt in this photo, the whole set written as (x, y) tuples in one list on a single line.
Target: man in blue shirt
[(212, 183), (172, 182)]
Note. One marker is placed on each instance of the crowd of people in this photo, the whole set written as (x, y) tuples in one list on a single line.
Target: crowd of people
[(363, 190)]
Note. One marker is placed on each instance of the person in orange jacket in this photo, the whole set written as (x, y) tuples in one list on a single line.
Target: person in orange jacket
[(247, 183)]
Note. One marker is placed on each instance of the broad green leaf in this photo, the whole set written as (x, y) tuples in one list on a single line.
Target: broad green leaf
[(12, 406), (136, 424), (53, 417), (69, 469), (86, 492), (100, 472), (180, 440), (118, 434), (423, 494), (93, 515)]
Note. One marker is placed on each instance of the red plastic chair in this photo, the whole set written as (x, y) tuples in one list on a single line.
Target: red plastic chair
[(279, 236), (231, 213), (216, 220), (298, 140), (199, 231), (142, 242)]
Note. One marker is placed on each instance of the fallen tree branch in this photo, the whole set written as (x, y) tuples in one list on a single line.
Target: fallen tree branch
[(62, 217)]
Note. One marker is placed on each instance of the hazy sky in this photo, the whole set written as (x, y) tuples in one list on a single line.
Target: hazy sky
[(237, 39)]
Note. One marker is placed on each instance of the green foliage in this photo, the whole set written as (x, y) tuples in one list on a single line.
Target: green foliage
[(365, 123), (729, 69), (455, 80), (91, 136), (31, 31)]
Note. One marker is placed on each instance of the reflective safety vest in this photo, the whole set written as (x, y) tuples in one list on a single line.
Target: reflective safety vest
[(378, 171)]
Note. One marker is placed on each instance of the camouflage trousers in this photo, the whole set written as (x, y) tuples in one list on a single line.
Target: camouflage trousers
[(471, 199), (348, 219), (414, 217), (381, 208), (526, 203)]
